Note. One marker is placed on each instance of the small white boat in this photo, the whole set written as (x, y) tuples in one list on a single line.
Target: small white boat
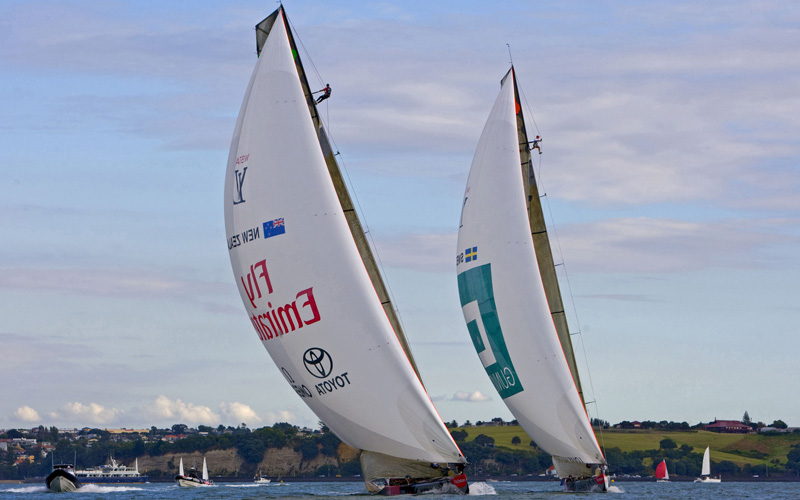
[(259, 479), (191, 479), (705, 473)]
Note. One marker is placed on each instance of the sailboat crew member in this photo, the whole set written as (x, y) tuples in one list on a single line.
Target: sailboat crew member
[(326, 93), (535, 144)]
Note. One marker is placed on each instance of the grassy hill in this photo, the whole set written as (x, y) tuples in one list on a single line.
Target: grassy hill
[(741, 449)]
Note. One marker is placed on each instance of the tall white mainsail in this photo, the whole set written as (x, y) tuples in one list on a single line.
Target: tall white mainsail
[(304, 271), (504, 293)]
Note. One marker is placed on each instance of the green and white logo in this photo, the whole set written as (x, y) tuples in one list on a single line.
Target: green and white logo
[(477, 302)]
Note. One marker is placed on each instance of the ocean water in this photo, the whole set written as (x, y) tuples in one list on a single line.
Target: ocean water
[(501, 490)]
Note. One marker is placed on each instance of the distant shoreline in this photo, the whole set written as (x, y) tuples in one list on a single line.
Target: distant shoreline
[(472, 479)]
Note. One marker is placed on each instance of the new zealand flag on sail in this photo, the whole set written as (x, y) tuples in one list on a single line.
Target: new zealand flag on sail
[(274, 227)]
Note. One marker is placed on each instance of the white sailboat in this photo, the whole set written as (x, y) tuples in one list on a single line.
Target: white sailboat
[(311, 287), (511, 301), (191, 479), (705, 471)]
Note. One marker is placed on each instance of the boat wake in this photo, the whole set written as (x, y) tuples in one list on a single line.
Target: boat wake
[(615, 489), (101, 488), (28, 489), (481, 489)]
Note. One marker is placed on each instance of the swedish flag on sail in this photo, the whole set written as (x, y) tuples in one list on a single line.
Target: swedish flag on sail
[(471, 254)]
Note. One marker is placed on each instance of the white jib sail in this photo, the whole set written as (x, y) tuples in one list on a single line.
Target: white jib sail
[(205, 470), (706, 467), (504, 303), (180, 468), (303, 283)]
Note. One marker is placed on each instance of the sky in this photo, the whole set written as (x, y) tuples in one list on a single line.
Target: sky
[(671, 148)]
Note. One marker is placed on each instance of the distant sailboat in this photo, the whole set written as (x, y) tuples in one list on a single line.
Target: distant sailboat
[(311, 286), (191, 479), (705, 471), (662, 474), (511, 301)]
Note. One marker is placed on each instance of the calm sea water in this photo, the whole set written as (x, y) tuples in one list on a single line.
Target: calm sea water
[(521, 490)]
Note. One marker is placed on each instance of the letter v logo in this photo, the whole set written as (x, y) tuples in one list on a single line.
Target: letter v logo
[(239, 183)]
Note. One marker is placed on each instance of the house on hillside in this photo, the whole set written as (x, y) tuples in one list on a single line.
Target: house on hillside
[(727, 427)]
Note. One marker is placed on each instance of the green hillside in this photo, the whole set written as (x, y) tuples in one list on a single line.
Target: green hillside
[(741, 449)]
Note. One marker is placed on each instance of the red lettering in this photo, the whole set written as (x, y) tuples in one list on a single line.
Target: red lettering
[(264, 274), (310, 302), (276, 329), (250, 294), (255, 281), (251, 288), (267, 331), (283, 312)]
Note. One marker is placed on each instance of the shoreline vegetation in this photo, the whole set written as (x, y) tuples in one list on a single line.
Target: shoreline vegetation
[(495, 452)]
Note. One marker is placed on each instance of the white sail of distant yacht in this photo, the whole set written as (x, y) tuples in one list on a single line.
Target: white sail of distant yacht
[(310, 285), (511, 301), (191, 480), (705, 469)]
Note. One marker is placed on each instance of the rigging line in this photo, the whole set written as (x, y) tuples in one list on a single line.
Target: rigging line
[(574, 310), (527, 107), (321, 82), (566, 274), (306, 54)]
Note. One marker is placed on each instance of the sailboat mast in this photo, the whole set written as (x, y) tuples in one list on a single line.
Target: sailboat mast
[(356, 229), (541, 242)]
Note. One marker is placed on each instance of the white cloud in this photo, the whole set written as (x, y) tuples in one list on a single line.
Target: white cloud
[(26, 414), (422, 252), (92, 413), (471, 397), (239, 412), (646, 245), (187, 413), (282, 416)]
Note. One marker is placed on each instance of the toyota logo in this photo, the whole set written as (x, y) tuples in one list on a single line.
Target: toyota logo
[(318, 362)]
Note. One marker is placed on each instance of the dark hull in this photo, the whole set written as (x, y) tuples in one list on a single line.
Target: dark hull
[(593, 484), (61, 480), (457, 484), (191, 481)]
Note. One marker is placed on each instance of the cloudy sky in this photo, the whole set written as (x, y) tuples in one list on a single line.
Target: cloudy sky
[(671, 146)]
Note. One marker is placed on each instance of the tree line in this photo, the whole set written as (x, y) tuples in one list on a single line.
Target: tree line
[(93, 447)]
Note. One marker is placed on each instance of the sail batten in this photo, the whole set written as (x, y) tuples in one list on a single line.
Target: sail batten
[(510, 296), (306, 276)]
